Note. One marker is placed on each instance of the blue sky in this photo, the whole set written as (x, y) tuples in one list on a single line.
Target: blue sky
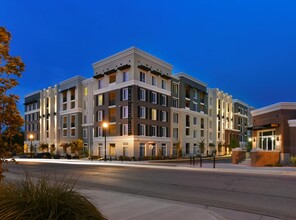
[(246, 48)]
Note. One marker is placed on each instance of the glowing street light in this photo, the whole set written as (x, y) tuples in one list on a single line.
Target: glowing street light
[(105, 126)]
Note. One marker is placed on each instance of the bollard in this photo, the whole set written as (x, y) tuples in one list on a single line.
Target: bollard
[(190, 159), (193, 160), (110, 158), (214, 162), (200, 162)]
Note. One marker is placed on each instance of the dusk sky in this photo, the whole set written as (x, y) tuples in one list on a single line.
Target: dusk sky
[(246, 48)]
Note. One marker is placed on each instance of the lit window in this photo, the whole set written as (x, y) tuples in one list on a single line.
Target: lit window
[(153, 114), (85, 91), (100, 99), (112, 78)]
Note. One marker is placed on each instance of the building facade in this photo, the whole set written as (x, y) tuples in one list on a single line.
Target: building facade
[(148, 110), (274, 129)]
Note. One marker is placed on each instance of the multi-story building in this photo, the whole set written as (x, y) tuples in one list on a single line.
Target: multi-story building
[(132, 92), (189, 114), (147, 110), (221, 129), (241, 121), (32, 125), (70, 111)]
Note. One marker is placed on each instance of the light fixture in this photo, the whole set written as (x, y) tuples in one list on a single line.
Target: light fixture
[(277, 138), (254, 139)]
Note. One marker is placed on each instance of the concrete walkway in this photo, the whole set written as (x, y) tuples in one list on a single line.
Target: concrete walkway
[(115, 205)]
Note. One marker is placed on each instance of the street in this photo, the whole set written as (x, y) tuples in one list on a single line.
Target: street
[(270, 195)]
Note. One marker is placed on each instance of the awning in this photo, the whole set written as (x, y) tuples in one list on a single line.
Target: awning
[(155, 72), (146, 68), (98, 76), (126, 66)]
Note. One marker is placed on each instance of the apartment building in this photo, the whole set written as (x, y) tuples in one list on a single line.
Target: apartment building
[(32, 125), (146, 108), (189, 124), (132, 91), (241, 121), (221, 128)]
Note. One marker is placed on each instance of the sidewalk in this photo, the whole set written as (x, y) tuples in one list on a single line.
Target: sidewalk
[(115, 205)]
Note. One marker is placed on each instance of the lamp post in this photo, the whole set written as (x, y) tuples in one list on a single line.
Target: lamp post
[(105, 126), (31, 136)]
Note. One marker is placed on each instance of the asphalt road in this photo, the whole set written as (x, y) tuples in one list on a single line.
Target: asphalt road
[(269, 195)]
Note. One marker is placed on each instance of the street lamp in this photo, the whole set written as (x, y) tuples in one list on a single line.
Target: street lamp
[(31, 136), (105, 126)]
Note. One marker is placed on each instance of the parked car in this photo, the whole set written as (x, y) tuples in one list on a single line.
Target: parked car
[(45, 155)]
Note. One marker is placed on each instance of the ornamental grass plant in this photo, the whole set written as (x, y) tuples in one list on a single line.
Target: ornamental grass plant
[(31, 199)]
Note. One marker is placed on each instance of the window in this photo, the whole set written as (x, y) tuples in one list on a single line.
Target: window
[(125, 76), (100, 115), (65, 133), (163, 131), (100, 131), (72, 104), (73, 131), (142, 94), (142, 129), (124, 129), (64, 96), (175, 103), (72, 118), (175, 118), (142, 77), (195, 93), (84, 133), (187, 132), (153, 114), (194, 133), (187, 148), (163, 116), (84, 119), (163, 84), (194, 121), (154, 81), (112, 78), (153, 131), (142, 112), (64, 106), (194, 106), (100, 99), (72, 92), (202, 126), (64, 121), (124, 111), (211, 100), (163, 100), (99, 84), (124, 94), (85, 91), (175, 88), (175, 133), (154, 97), (202, 133), (84, 104), (112, 98)]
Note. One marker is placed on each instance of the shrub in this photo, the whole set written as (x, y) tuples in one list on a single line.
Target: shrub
[(44, 199), (293, 161)]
